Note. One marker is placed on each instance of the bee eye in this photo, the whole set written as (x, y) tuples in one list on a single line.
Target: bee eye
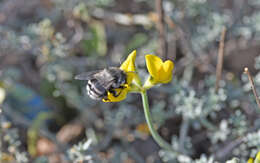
[(122, 79)]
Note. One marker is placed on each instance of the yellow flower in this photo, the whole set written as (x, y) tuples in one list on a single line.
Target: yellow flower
[(257, 159), (128, 66), (160, 72), (250, 160)]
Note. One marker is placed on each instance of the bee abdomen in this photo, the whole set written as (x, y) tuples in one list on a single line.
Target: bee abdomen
[(95, 90)]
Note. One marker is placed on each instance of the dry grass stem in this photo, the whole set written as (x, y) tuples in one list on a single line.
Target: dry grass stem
[(161, 29), (246, 70), (220, 58)]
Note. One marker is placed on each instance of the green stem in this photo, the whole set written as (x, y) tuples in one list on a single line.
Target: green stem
[(162, 143)]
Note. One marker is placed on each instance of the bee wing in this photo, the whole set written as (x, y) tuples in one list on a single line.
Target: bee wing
[(107, 84), (105, 80), (86, 75)]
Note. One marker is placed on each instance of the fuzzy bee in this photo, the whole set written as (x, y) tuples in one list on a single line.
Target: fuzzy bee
[(103, 81)]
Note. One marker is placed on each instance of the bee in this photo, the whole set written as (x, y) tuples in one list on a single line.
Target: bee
[(100, 82)]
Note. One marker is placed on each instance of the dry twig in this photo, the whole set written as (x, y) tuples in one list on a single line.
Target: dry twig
[(246, 70), (220, 58), (161, 29)]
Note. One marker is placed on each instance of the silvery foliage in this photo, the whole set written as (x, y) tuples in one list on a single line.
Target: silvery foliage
[(58, 46), (239, 123), (192, 105), (188, 102), (196, 107), (233, 160), (202, 20), (204, 159), (221, 134), (175, 155), (249, 147), (80, 152)]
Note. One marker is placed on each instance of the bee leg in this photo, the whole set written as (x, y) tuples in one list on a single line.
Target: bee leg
[(122, 87), (106, 99), (115, 93)]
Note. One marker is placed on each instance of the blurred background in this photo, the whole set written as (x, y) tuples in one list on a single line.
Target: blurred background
[(46, 115)]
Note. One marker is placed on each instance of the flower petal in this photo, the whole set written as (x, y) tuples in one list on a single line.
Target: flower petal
[(129, 63), (258, 156), (167, 67), (153, 64), (122, 93), (130, 77), (250, 160), (160, 72)]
